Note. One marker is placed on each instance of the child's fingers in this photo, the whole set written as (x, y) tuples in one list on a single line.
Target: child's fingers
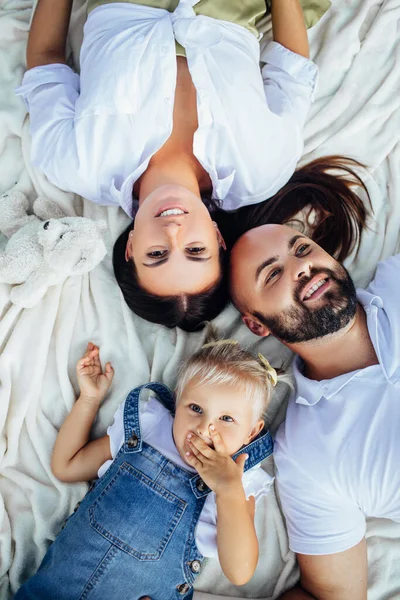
[(83, 362), (89, 370), (91, 348), (193, 461), (217, 440), (90, 355), (109, 372), (241, 460), (96, 355), (198, 447)]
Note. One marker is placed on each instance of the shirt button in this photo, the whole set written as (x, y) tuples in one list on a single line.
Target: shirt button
[(195, 566), (166, 99), (165, 49), (201, 486), (133, 440), (183, 588)]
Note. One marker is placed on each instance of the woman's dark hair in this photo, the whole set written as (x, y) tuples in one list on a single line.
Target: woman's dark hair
[(187, 311), (322, 191)]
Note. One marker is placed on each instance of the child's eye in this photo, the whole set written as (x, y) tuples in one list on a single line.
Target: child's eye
[(227, 418), (196, 408)]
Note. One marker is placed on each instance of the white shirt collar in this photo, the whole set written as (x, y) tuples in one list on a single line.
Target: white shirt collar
[(309, 391)]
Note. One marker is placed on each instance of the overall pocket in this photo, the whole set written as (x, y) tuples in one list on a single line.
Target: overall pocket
[(136, 514)]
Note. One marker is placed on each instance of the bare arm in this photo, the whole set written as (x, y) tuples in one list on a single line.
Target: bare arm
[(342, 576), (296, 593), (74, 457), (236, 536), (288, 27), (48, 34)]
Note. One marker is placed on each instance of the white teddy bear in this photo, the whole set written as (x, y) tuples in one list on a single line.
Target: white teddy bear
[(44, 248)]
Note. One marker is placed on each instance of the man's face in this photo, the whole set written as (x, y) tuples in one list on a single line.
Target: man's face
[(287, 285)]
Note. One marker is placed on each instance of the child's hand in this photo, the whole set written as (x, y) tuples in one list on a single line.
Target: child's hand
[(93, 383), (215, 466)]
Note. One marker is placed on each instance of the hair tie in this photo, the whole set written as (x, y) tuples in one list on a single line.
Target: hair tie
[(271, 373), (219, 343)]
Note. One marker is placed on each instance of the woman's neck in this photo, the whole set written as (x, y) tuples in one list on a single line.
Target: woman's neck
[(179, 171)]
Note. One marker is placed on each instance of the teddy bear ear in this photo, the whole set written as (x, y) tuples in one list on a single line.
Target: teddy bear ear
[(101, 225)]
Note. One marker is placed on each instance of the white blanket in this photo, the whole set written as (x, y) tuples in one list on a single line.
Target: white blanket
[(356, 112)]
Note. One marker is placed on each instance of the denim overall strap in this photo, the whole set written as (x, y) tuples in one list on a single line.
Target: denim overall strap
[(258, 449), (133, 438)]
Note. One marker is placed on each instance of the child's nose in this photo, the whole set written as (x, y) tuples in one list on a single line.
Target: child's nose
[(204, 430)]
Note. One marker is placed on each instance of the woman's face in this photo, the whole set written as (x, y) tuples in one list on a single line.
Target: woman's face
[(174, 243)]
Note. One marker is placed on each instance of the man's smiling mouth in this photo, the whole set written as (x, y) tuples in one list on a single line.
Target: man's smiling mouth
[(315, 288)]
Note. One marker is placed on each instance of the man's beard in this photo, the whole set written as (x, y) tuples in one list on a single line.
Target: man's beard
[(302, 324)]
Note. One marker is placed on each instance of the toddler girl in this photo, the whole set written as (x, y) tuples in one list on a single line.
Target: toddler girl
[(177, 481)]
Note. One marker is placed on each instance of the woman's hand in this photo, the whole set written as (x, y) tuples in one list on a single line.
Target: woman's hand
[(214, 465), (93, 383)]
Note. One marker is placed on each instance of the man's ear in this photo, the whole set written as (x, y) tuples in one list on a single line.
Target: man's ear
[(220, 239), (255, 326)]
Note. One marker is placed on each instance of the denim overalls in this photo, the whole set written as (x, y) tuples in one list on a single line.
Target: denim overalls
[(134, 532)]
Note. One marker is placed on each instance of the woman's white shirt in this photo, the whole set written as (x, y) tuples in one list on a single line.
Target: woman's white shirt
[(94, 134), (156, 430)]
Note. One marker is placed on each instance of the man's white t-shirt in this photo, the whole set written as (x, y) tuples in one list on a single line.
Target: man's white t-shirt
[(95, 133), (156, 430), (338, 452)]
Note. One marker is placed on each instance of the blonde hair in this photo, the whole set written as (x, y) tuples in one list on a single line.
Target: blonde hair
[(223, 362)]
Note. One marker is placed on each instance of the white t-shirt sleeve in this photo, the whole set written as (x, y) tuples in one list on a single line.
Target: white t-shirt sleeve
[(50, 93), (289, 82), (319, 520), (151, 413), (386, 334), (386, 285), (386, 280), (257, 483)]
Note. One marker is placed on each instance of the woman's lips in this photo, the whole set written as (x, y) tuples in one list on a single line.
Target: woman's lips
[(171, 206)]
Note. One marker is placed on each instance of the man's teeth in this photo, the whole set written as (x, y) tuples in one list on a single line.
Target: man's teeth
[(314, 288), (172, 211)]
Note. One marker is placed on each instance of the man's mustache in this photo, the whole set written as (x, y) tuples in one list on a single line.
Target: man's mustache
[(306, 280)]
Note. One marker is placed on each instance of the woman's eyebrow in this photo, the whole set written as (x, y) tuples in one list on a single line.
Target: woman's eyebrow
[(164, 260), (155, 264), (198, 258)]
